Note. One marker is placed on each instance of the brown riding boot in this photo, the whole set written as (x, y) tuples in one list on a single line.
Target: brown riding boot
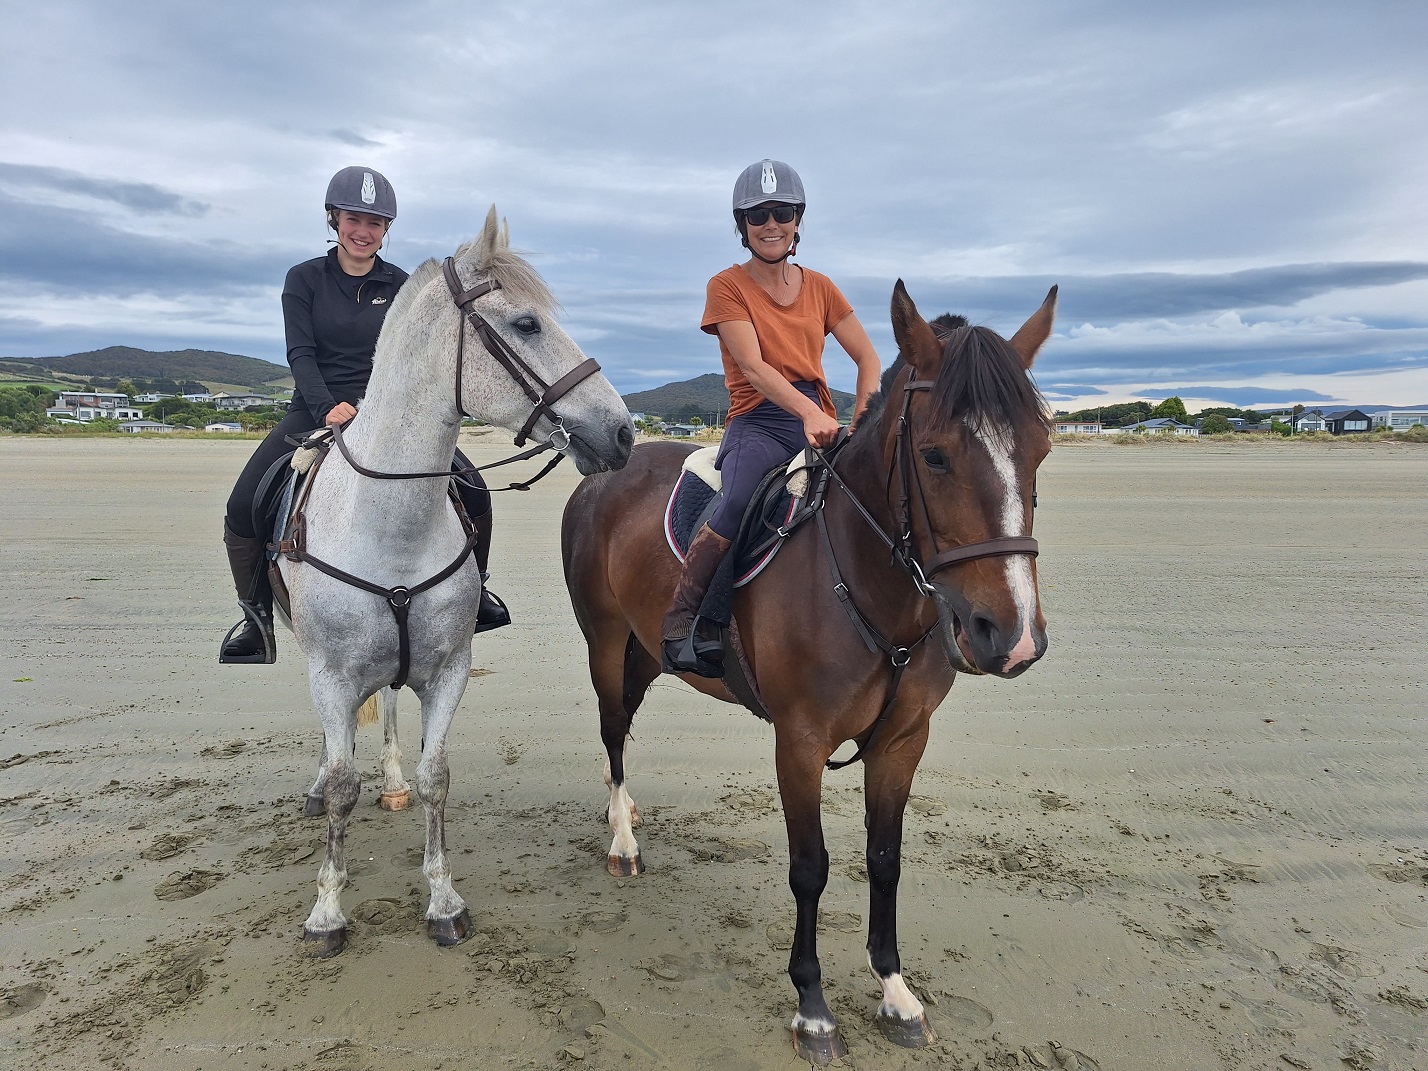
[(251, 640), (682, 649)]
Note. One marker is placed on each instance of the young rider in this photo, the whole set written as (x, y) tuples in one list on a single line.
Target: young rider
[(333, 308), (771, 317)]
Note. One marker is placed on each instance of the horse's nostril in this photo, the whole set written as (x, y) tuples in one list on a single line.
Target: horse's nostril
[(625, 437), (983, 632)]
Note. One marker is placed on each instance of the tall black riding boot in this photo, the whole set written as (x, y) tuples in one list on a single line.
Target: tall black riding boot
[(251, 640), (682, 648), (492, 612)]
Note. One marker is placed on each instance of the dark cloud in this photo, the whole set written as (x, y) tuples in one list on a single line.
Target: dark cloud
[(141, 197), (1239, 396), (351, 137)]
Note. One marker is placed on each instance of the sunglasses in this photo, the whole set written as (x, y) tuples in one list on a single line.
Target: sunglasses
[(757, 217)]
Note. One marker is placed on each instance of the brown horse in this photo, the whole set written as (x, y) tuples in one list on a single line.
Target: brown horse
[(941, 471)]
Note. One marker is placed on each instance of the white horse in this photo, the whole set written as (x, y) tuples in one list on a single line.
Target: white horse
[(432, 364)]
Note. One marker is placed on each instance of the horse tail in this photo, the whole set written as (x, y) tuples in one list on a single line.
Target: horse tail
[(370, 712)]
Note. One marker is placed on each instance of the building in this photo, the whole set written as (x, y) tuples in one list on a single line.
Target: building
[(1156, 426), (90, 399), (1310, 421), (222, 400), (145, 427), (83, 414), (223, 425), (151, 397), (1077, 427), (203, 397), (1348, 422), (1400, 419)]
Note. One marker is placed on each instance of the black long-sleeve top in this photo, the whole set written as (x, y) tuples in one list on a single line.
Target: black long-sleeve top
[(332, 320)]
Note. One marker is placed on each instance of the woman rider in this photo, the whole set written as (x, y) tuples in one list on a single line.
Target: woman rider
[(333, 308), (771, 317)]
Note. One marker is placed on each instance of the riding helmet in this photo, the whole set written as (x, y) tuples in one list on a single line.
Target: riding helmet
[(767, 180), (361, 189)]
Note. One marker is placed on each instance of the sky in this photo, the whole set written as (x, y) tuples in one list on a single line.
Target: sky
[(1231, 196)]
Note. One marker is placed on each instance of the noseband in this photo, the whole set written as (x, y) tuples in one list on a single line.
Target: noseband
[(542, 394)]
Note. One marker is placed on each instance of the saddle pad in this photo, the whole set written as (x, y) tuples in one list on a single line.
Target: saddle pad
[(693, 501)]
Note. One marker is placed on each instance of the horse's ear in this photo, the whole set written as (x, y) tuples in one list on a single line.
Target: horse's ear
[(490, 235), (915, 339), (1031, 335), (504, 242)]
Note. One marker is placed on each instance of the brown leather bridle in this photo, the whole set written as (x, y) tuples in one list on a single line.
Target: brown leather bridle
[(526, 377)]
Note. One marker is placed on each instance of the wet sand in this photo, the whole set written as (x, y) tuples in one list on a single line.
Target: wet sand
[(1192, 837)]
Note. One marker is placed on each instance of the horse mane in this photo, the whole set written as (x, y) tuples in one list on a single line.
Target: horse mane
[(520, 282), (981, 381)]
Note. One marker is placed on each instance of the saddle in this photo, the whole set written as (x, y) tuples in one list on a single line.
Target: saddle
[(787, 496)]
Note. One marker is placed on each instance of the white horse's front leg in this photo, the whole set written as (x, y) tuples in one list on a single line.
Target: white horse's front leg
[(447, 920), (326, 928), (396, 793)]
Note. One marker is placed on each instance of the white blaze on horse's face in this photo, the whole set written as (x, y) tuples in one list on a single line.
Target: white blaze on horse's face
[(1018, 568)]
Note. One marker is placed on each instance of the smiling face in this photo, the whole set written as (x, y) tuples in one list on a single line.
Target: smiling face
[(359, 236), (773, 239)]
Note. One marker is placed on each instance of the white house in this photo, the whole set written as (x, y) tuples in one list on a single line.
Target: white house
[(151, 397), (145, 427), (1156, 426), (83, 414), (1077, 427), (1310, 421), (239, 401), (223, 425), (204, 397), (1400, 419)]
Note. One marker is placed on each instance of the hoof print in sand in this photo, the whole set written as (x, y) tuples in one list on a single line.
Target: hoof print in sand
[(386, 915), (927, 806), (509, 750), (1053, 1057), (189, 883), (964, 1015), (168, 845), (17, 1000), (601, 921), (580, 1014)]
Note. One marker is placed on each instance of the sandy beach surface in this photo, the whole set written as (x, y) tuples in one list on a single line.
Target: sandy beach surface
[(1194, 837)]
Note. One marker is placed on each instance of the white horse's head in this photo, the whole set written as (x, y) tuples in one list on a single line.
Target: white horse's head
[(590, 424)]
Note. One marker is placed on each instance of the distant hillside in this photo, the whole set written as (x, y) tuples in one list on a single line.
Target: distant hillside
[(126, 362), (704, 397)]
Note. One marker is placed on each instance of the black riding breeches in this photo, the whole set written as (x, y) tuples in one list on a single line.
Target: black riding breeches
[(298, 423)]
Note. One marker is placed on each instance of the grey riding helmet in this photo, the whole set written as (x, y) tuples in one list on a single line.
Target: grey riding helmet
[(767, 180), (361, 189)]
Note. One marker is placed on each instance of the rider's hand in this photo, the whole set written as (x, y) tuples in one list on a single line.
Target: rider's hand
[(820, 429), (340, 413)]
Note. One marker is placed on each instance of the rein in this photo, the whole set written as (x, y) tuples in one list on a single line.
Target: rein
[(542, 394), (904, 552)]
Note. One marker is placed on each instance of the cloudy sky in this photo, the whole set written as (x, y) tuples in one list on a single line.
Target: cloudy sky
[(1230, 195)]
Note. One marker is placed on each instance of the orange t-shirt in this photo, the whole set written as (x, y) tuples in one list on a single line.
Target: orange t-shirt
[(790, 337)]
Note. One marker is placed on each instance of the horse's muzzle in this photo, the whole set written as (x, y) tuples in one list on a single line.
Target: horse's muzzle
[(601, 450), (976, 642)]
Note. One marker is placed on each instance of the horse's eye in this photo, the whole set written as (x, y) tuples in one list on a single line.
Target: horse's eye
[(935, 459), (527, 325)]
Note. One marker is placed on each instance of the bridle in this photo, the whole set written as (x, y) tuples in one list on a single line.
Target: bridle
[(542, 394), (904, 550)]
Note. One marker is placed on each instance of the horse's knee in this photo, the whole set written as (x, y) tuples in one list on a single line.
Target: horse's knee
[(808, 875), (341, 786)]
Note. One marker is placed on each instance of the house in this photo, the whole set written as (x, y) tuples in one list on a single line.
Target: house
[(91, 399), (1310, 421), (1400, 419), (682, 431), (223, 425), (83, 414), (151, 397), (1157, 426), (1077, 427), (1348, 422), (198, 397), (239, 401), (145, 427)]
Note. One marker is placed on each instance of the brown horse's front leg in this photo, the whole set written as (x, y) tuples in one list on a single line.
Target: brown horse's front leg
[(887, 781), (816, 1037)]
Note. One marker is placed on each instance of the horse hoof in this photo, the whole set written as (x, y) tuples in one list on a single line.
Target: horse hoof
[(620, 867), (313, 807), (324, 944), (820, 1049), (448, 932), (397, 801), (909, 1033)]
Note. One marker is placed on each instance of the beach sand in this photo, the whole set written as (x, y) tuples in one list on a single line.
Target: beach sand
[(1195, 836)]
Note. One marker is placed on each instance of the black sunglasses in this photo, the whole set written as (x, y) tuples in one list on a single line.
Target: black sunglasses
[(757, 217)]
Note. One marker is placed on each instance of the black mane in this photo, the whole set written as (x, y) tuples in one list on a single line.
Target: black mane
[(982, 380)]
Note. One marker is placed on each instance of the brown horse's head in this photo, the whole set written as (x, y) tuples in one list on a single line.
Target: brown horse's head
[(975, 438)]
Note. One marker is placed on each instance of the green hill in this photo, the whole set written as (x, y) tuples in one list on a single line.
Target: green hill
[(705, 397), (126, 362)]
